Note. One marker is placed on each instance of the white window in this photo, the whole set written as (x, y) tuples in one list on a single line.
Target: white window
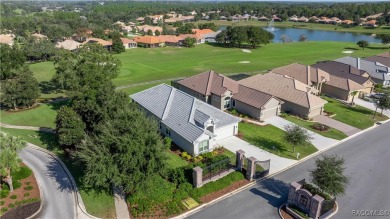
[(204, 146)]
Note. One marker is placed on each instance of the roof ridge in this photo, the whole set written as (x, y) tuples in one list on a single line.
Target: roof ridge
[(191, 117), (169, 103), (209, 81), (254, 90)]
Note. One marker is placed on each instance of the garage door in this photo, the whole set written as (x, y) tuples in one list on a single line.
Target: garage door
[(269, 113)]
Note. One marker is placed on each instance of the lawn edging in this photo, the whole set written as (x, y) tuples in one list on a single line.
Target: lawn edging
[(42, 199), (197, 209), (75, 192), (326, 217)]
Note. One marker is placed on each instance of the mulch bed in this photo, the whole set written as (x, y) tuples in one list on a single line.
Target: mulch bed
[(9, 110), (219, 193), (34, 193), (284, 213)]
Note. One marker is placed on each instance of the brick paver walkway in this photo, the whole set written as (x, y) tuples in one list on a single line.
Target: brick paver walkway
[(346, 129)]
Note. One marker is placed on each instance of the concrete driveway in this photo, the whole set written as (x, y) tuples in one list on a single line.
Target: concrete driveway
[(370, 105), (346, 129), (319, 141), (58, 201), (234, 144)]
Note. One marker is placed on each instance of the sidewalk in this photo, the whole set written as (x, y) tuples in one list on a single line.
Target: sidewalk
[(277, 163), (319, 141), (43, 129)]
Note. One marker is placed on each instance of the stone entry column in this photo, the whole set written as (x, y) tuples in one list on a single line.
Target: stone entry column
[(251, 169), (240, 159), (315, 206), (197, 177)]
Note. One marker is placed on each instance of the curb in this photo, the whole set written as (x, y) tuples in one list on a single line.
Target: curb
[(193, 211), (327, 217), (42, 200), (75, 191)]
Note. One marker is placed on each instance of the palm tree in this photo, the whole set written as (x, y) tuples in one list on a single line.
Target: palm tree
[(9, 159), (353, 94)]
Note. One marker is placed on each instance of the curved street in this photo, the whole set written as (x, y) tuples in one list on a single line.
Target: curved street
[(367, 161), (55, 185)]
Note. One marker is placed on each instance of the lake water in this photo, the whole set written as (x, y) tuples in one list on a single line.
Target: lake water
[(320, 35)]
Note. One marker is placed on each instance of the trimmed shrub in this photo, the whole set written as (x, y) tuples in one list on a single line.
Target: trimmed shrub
[(11, 205), (4, 186), (320, 127), (3, 210), (4, 193), (2, 202), (28, 188), (26, 194), (23, 173), (13, 196)]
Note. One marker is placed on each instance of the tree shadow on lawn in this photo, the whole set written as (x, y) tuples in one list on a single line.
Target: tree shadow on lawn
[(49, 139), (272, 190), (47, 87), (351, 48), (268, 144)]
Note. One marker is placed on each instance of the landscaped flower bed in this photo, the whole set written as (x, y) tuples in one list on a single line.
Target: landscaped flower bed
[(26, 191)]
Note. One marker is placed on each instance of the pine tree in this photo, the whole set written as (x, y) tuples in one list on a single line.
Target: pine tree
[(117, 45)]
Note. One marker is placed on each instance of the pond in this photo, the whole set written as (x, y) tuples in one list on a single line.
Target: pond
[(293, 34)]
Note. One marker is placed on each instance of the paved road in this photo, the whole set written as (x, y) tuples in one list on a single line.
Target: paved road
[(57, 190), (367, 158)]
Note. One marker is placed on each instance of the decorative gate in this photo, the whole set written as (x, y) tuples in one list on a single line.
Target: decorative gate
[(262, 168)]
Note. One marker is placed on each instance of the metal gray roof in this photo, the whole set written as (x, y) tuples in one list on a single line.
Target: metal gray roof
[(372, 68), (181, 112)]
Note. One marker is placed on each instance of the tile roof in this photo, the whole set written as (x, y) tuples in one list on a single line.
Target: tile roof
[(127, 40), (38, 35), (203, 31), (7, 39), (342, 70), (210, 82), (252, 97), (147, 39), (181, 112), (381, 58), (374, 69), (99, 41), (303, 73), (344, 83), (284, 88), (145, 28), (68, 45)]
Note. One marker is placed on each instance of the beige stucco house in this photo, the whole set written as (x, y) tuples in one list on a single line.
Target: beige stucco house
[(225, 93), (298, 97)]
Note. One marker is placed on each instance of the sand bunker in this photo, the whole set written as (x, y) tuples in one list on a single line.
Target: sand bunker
[(348, 51), (246, 50), (244, 62)]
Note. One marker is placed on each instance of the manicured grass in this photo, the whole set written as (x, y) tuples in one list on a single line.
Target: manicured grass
[(267, 137), (141, 65), (331, 133), (99, 204), (135, 89), (43, 71), (312, 26), (175, 161), (42, 116), (356, 116)]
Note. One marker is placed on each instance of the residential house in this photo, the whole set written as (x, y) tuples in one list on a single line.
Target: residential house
[(210, 37), (330, 85), (298, 97), (225, 93), (347, 22), (303, 19), (193, 125), (379, 73), (383, 58), (223, 18), (129, 29), (346, 71), (263, 18), (146, 28), (70, 45), (7, 39), (106, 44), (148, 41), (293, 18), (129, 43), (276, 18), (170, 40), (314, 18), (370, 23)]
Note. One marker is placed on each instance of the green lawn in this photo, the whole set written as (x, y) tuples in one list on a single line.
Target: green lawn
[(357, 116), (43, 71), (312, 26), (42, 116), (331, 133), (174, 161), (265, 137), (98, 204)]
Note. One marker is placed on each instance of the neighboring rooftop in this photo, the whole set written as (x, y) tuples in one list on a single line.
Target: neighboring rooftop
[(99, 41), (342, 70), (284, 88), (7, 39), (252, 97), (181, 112), (374, 69), (383, 58), (303, 73), (210, 82), (68, 45)]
